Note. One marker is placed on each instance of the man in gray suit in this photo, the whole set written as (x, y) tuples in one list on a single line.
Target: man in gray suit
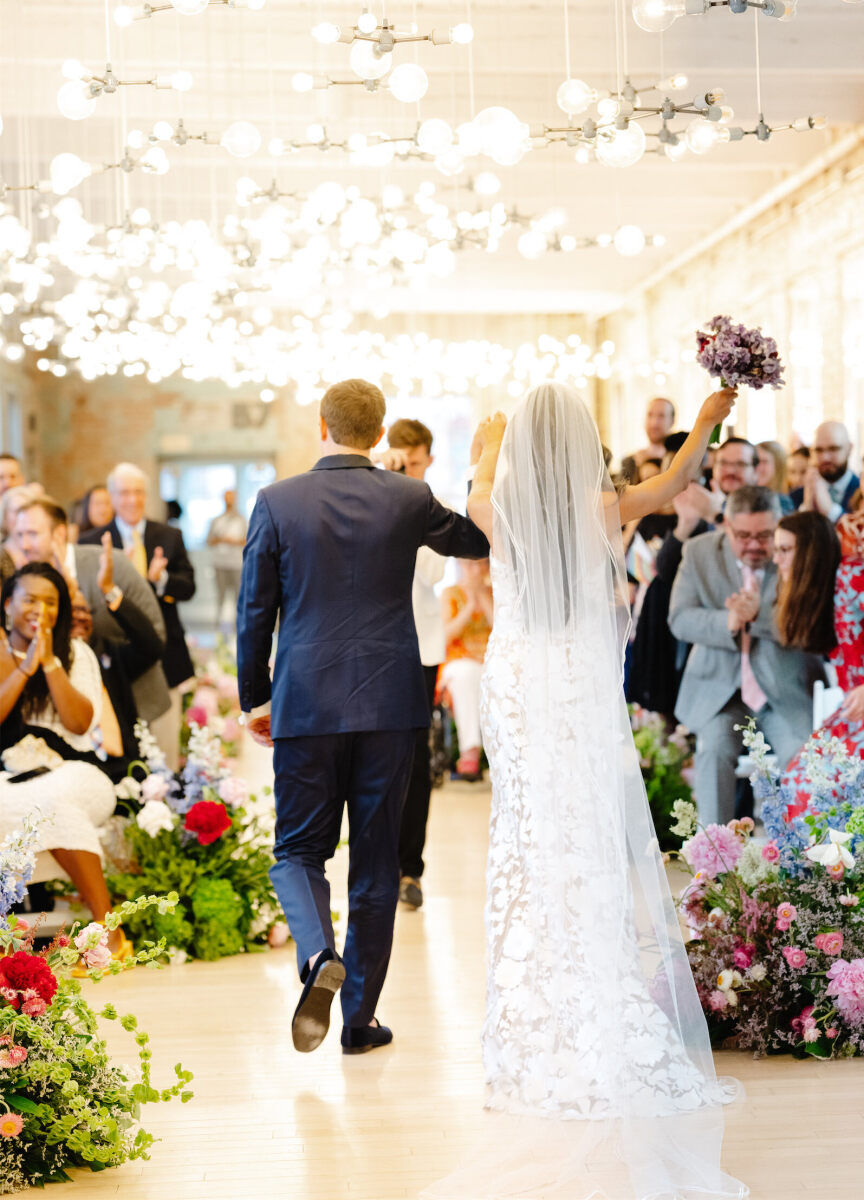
[(722, 603), (41, 531)]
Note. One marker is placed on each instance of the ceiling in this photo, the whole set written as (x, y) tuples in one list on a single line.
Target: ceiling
[(242, 63)]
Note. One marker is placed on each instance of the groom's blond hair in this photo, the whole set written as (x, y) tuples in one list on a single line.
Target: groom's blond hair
[(354, 413)]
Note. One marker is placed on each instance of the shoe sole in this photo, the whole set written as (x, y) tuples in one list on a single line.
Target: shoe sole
[(366, 1049), (408, 898), (310, 1025)]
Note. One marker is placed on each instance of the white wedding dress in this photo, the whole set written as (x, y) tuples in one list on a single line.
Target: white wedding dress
[(595, 1047)]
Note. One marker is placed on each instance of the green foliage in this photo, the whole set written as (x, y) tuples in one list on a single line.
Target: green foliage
[(662, 758)]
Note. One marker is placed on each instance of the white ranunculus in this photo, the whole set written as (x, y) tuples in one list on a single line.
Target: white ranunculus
[(155, 816), (128, 789), (833, 853)]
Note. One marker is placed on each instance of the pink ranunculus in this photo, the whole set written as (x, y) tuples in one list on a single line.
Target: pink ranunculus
[(154, 787), (849, 900), (771, 852), (847, 988), (208, 699), (811, 1032), (805, 1017), (794, 956), (233, 791), (836, 870), (718, 1000), (831, 1032), (831, 943), (92, 942), (196, 716), (787, 912), (713, 850), (743, 955)]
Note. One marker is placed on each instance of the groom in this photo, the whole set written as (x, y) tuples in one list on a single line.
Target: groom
[(331, 553)]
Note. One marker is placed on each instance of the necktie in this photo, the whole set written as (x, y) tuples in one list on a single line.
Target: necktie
[(139, 554), (751, 692)]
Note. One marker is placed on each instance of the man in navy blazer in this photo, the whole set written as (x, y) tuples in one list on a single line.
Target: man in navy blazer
[(331, 553), (829, 485)]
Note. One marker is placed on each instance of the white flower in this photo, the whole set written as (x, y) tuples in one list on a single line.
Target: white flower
[(727, 980), (155, 816), (811, 1033), (833, 852), (128, 789), (176, 957), (757, 972)]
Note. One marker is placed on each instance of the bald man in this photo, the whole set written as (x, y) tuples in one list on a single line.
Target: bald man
[(11, 474), (659, 419), (829, 482)]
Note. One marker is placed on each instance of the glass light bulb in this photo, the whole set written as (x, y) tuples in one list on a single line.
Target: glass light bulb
[(74, 100), (302, 81), (629, 240), (181, 81), (315, 133), (574, 96), (123, 16), (701, 135), (675, 151), (135, 139), (624, 148), (190, 8), (367, 22), (366, 64), (658, 240), (241, 139), (434, 136), (608, 108), (487, 183), (67, 171), (462, 34), (450, 163), (409, 83), (163, 131), (326, 33), (654, 16), (532, 244), (72, 69), (499, 132)]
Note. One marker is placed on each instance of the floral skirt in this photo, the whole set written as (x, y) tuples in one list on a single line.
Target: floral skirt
[(851, 735)]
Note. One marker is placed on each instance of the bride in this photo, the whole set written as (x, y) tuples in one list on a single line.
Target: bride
[(592, 1016)]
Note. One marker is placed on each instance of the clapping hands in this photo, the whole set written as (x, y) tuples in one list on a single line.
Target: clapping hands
[(743, 608), (158, 565), (817, 496)]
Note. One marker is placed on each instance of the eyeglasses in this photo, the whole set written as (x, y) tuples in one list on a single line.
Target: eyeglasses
[(736, 463), (829, 449), (764, 539)]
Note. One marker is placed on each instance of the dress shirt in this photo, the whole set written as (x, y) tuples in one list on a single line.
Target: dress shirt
[(127, 534), (837, 491)]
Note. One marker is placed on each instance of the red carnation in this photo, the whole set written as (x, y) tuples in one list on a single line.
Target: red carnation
[(208, 820), (23, 972)]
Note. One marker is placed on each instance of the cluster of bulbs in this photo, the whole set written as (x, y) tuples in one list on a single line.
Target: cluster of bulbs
[(77, 97), (125, 14), (655, 16)]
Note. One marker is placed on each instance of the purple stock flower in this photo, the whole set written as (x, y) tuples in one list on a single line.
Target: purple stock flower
[(741, 357)]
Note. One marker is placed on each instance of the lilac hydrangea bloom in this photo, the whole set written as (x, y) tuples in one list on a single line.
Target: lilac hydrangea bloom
[(741, 357)]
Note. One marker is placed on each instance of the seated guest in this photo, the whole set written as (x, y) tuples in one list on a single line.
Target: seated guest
[(96, 509), (659, 419), (13, 501), (467, 611), (50, 688), (829, 482), (850, 528), (771, 472), (820, 608), (722, 604), (796, 469), (11, 474)]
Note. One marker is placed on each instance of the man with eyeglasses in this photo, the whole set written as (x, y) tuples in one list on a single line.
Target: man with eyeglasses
[(722, 603), (829, 483)]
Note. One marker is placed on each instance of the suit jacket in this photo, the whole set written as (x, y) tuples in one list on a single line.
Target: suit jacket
[(150, 689), (332, 553), (797, 497), (709, 573), (180, 585)]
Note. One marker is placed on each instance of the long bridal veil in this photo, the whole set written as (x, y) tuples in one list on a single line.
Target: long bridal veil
[(597, 1055)]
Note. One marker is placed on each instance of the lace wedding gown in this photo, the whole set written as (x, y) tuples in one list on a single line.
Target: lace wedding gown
[(595, 1048)]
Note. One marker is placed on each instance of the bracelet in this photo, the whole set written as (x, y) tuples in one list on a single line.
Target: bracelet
[(56, 664)]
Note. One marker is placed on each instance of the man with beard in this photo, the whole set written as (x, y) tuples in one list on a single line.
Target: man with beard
[(830, 484)]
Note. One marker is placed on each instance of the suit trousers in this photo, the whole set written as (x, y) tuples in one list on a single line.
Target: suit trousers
[(412, 835), (315, 778), (718, 747)]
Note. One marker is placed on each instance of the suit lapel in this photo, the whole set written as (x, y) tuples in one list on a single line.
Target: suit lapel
[(115, 536), (730, 566), (151, 538)]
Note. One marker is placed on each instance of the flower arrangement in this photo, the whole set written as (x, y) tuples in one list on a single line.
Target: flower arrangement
[(214, 701), (201, 834), (778, 926), (664, 759), (63, 1103), (740, 357)]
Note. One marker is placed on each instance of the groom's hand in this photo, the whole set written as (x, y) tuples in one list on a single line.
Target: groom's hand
[(259, 728), (390, 460)]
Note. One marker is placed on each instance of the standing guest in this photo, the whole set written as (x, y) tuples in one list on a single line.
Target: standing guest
[(771, 472), (41, 534), (722, 604), (97, 511), (410, 453), (11, 504), (468, 617), (158, 554), (796, 469), (11, 474), (331, 554), (829, 482), (659, 419), (226, 538), (820, 609)]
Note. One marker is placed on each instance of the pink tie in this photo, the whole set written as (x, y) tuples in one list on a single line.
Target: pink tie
[(751, 692)]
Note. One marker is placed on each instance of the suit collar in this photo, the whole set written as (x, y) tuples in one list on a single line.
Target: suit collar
[(336, 462)]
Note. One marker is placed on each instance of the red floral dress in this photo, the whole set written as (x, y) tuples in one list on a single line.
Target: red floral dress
[(848, 659)]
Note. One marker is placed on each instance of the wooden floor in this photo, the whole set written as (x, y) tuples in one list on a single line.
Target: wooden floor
[(267, 1122)]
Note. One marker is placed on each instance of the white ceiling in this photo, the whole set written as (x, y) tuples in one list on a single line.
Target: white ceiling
[(242, 63)]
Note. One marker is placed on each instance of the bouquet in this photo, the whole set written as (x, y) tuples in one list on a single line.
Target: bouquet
[(63, 1103), (778, 926), (740, 357), (202, 835), (663, 759)]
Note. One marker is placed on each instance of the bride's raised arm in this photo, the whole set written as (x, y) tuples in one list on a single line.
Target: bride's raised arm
[(648, 497), (488, 438)]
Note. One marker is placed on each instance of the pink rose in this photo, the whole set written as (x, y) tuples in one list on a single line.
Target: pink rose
[(718, 1000), (196, 716), (92, 942), (794, 956), (233, 791), (770, 852), (743, 955), (154, 787), (831, 943)]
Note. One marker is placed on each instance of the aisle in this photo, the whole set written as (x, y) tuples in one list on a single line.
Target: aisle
[(269, 1124)]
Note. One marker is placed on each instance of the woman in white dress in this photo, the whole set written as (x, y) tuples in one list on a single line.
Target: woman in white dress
[(51, 689), (592, 1016)]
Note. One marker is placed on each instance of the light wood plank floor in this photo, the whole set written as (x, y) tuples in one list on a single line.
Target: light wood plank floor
[(268, 1123)]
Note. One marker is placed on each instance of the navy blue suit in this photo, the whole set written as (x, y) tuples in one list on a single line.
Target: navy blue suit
[(797, 497), (331, 553)]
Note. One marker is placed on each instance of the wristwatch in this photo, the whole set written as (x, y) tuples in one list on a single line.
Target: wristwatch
[(113, 597)]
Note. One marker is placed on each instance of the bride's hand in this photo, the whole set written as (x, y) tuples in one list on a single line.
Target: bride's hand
[(490, 432), (717, 407)]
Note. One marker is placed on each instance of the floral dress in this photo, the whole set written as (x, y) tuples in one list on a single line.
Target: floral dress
[(848, 659)]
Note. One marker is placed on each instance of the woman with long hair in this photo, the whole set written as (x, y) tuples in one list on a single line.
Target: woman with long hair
[(820, 608), (50, 694)]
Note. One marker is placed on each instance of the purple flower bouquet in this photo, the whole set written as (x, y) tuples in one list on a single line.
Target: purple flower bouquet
[(741, 357)]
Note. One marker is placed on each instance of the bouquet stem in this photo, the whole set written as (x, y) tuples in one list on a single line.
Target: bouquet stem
[(717, 431)]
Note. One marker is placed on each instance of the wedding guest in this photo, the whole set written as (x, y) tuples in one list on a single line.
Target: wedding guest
[(659, 419), (796, 469), (96, 509), (226, 538), (850, 528), (11, 474), (158, 554), (722, 604), (829, 482), (40, 531), (820, 609), (50, 688), (468, 616), (11, 504), (410, 452)]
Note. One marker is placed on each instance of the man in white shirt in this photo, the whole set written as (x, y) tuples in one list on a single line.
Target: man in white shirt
[(410, 452), (226, 539), (659, 420)]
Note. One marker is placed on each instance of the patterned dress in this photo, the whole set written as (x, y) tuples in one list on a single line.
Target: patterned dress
[(848, 660)]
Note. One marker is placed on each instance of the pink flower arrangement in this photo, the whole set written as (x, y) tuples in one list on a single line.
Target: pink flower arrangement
[(718, 1000), (786, 914), (771, 852), (847, 988), (713, 850), (196, 716), (831, 943), (154, 787), (207, 699), (11, 1125), (13, 1057), (836, 870), (233, 791), (795, 957), (92, 942), (743, 955)]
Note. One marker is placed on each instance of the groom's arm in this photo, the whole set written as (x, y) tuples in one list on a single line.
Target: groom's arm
[(451, 534), (257, 610)]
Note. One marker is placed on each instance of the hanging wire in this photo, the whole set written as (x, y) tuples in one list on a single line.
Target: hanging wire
[(471, 104), (624, 42), (107, 31), (758, 62), (618, 71), (567, 38)]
